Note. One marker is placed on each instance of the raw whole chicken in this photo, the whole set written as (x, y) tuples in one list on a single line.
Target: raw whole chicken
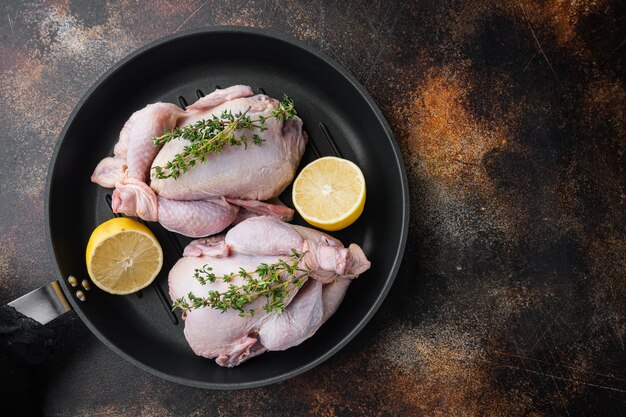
[(228, 187), (232, 339)]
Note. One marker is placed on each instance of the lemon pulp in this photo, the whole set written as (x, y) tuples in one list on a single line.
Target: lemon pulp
[(123, 256), (329, 193)]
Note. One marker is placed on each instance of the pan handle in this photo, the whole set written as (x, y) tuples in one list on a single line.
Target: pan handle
[(43, 304)]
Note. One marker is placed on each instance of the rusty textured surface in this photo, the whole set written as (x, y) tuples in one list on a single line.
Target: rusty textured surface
[(510, 115)]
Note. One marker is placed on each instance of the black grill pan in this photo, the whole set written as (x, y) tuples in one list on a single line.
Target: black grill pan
[(341, 119)]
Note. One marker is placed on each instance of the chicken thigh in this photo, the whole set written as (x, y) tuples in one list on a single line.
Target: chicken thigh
[(232, 339), (231, 185)]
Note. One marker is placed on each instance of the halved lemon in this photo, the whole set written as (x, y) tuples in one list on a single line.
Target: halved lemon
[(329, 193), (123, 256)]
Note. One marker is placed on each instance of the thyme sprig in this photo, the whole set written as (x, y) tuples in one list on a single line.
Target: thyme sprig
[(210, 136), (272, 281)]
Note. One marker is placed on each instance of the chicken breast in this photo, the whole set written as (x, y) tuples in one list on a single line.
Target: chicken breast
[(255, 173)]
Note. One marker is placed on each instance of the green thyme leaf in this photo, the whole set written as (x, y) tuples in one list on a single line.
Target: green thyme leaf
[(272, 281)]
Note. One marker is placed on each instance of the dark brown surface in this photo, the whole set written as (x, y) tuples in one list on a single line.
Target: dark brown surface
[(510, 115)]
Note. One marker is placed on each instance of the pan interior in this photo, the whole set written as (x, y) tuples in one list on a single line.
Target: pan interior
[(142, 329)]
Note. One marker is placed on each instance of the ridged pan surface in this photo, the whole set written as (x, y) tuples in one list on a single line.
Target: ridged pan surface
[(341, 120)]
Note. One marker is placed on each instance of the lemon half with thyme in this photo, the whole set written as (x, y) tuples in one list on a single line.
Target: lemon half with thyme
[(123, 256)]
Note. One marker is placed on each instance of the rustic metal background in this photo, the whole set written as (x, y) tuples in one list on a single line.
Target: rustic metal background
[(510, 115)]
